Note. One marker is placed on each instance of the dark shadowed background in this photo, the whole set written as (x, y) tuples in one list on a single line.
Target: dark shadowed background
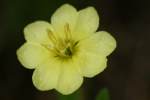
[(127, 76)]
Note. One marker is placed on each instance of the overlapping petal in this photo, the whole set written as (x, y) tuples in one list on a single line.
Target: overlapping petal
[(45, 77), (66, 14), (90, 63), (31, 55), (93, 52), (87, 23), (70, 79), (101, 43), (37, 32)]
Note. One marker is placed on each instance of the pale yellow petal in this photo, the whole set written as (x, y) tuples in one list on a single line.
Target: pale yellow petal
[(31, 55), (45, 77), (37, 32), (107, 42), (101, 43), (70, 79), (66, 14), (91, 63), (92, 53), (87, 22)]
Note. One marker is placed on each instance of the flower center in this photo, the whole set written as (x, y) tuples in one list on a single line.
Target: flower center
[(62, 47), (68, 51)]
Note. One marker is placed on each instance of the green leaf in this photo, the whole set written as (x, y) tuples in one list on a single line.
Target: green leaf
[(103, 94)]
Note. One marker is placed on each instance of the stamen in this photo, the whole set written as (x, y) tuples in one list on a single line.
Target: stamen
[(62, 47), (67, 32), (49, 48), (52, 37), (54, 40)]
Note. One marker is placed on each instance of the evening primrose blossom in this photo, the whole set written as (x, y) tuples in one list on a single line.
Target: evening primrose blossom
[(66, 49)]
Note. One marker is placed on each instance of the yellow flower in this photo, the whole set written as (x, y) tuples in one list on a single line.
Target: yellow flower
[(66, 50)]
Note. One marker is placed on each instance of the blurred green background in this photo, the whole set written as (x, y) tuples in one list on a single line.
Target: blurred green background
[(127, 76)]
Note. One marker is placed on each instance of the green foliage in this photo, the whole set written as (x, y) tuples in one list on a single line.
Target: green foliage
[(103, 94)]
